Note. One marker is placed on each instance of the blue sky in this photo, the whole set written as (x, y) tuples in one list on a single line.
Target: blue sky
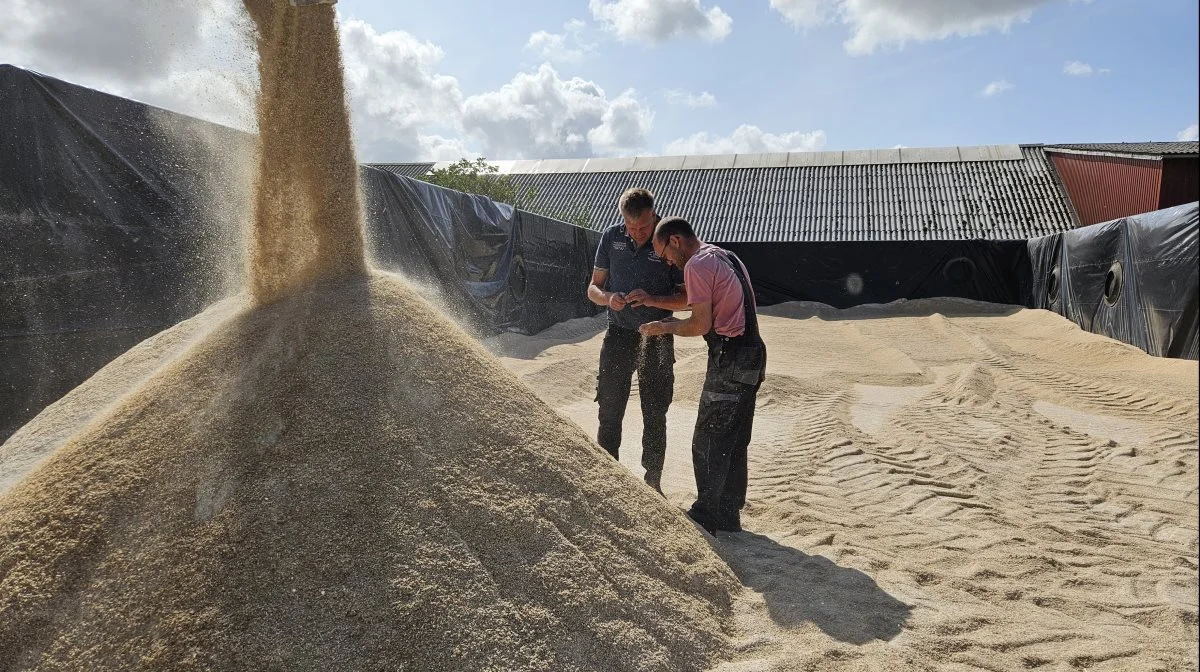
[(537, 78)]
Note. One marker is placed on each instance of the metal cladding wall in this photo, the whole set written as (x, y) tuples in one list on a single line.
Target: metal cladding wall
[(1009, 199), (1104, 188), (1180, 182)]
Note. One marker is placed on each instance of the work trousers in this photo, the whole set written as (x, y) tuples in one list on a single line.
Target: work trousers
[(653, 357), (723, 425)]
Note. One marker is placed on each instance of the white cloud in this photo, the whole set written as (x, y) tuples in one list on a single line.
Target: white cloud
[(1081, 69), (193, 57), (996, 88), (121, 41), (402, 109), (1191, 133), (687, 99), (657, 21), (552, 47), (806, 13), (623, 127), (565, 47), (746, 139), (893, 23), (199, 60), (540, 115), (196, 58), (395, 96)]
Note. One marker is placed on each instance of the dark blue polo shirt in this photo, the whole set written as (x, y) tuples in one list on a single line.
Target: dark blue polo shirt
[(630, 267)]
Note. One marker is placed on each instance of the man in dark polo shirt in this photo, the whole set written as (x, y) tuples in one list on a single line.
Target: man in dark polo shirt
[(638, 287)]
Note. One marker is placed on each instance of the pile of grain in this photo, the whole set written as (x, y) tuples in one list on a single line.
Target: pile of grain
[(342, 480), (337, 477)]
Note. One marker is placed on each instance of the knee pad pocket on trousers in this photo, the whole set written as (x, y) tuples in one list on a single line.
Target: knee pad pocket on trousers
[(719, 411)]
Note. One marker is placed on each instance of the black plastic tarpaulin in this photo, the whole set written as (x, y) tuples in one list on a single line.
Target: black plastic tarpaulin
[(845, 274), (118, 220), (115, 222), (1134, 279), (496, 267)]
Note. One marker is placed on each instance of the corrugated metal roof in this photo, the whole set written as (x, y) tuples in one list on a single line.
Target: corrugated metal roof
[(847, 157), (990, 196), (405, 169), (1147, 148)]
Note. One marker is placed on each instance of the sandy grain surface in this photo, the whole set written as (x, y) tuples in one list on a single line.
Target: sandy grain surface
[(344, 480), (940, 485)]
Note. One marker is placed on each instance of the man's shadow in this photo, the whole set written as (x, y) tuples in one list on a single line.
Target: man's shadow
[(844, 603)]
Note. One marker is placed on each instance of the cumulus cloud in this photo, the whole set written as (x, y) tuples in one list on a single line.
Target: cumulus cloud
[(198, 59), (193, 57), (657, 21), (893, 23), (996, 88), (1191, 133), (806, 13), (688, 99), (123, 41), (1081, 69), (397, 101), (747, 139), (402, 109), (564, 47), (541, 115), (552, 47)]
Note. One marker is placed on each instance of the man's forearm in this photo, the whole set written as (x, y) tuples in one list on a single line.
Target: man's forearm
[(673, 303), (598, 296), (688, 327)]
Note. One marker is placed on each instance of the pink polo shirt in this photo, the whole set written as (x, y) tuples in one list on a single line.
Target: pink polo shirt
[(709, 279)]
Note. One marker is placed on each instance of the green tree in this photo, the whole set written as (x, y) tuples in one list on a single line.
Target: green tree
[(481, 177)]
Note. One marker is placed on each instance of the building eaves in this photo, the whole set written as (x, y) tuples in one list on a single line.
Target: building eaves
[(1142, 150), (417, 169)]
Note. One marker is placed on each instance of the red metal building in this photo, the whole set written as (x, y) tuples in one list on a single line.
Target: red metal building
[(1107, 181)]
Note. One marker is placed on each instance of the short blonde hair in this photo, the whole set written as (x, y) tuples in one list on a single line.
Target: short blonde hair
[(635, 201)]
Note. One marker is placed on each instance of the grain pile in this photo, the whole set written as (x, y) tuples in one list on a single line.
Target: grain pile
[(336, 477)]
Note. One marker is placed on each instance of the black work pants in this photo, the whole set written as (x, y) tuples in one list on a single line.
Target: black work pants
[(723, 425), (653, 357)]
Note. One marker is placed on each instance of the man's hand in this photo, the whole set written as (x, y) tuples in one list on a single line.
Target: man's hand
[(617, 301), (657, 328), (640, 297), (653, 329)]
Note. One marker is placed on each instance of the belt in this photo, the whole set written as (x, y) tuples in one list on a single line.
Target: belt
[(727, 339)]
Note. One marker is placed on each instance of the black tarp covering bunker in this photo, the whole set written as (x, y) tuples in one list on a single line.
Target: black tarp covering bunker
[(106, 234), (119, 219), (493, 266), (1134, 279), (850, 273)]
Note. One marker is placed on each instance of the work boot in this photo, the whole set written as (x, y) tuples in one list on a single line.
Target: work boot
[(703, 521), (653, 479), (729, 522)]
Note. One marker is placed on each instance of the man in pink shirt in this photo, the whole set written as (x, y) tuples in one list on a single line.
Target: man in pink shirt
[(723, 312)]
